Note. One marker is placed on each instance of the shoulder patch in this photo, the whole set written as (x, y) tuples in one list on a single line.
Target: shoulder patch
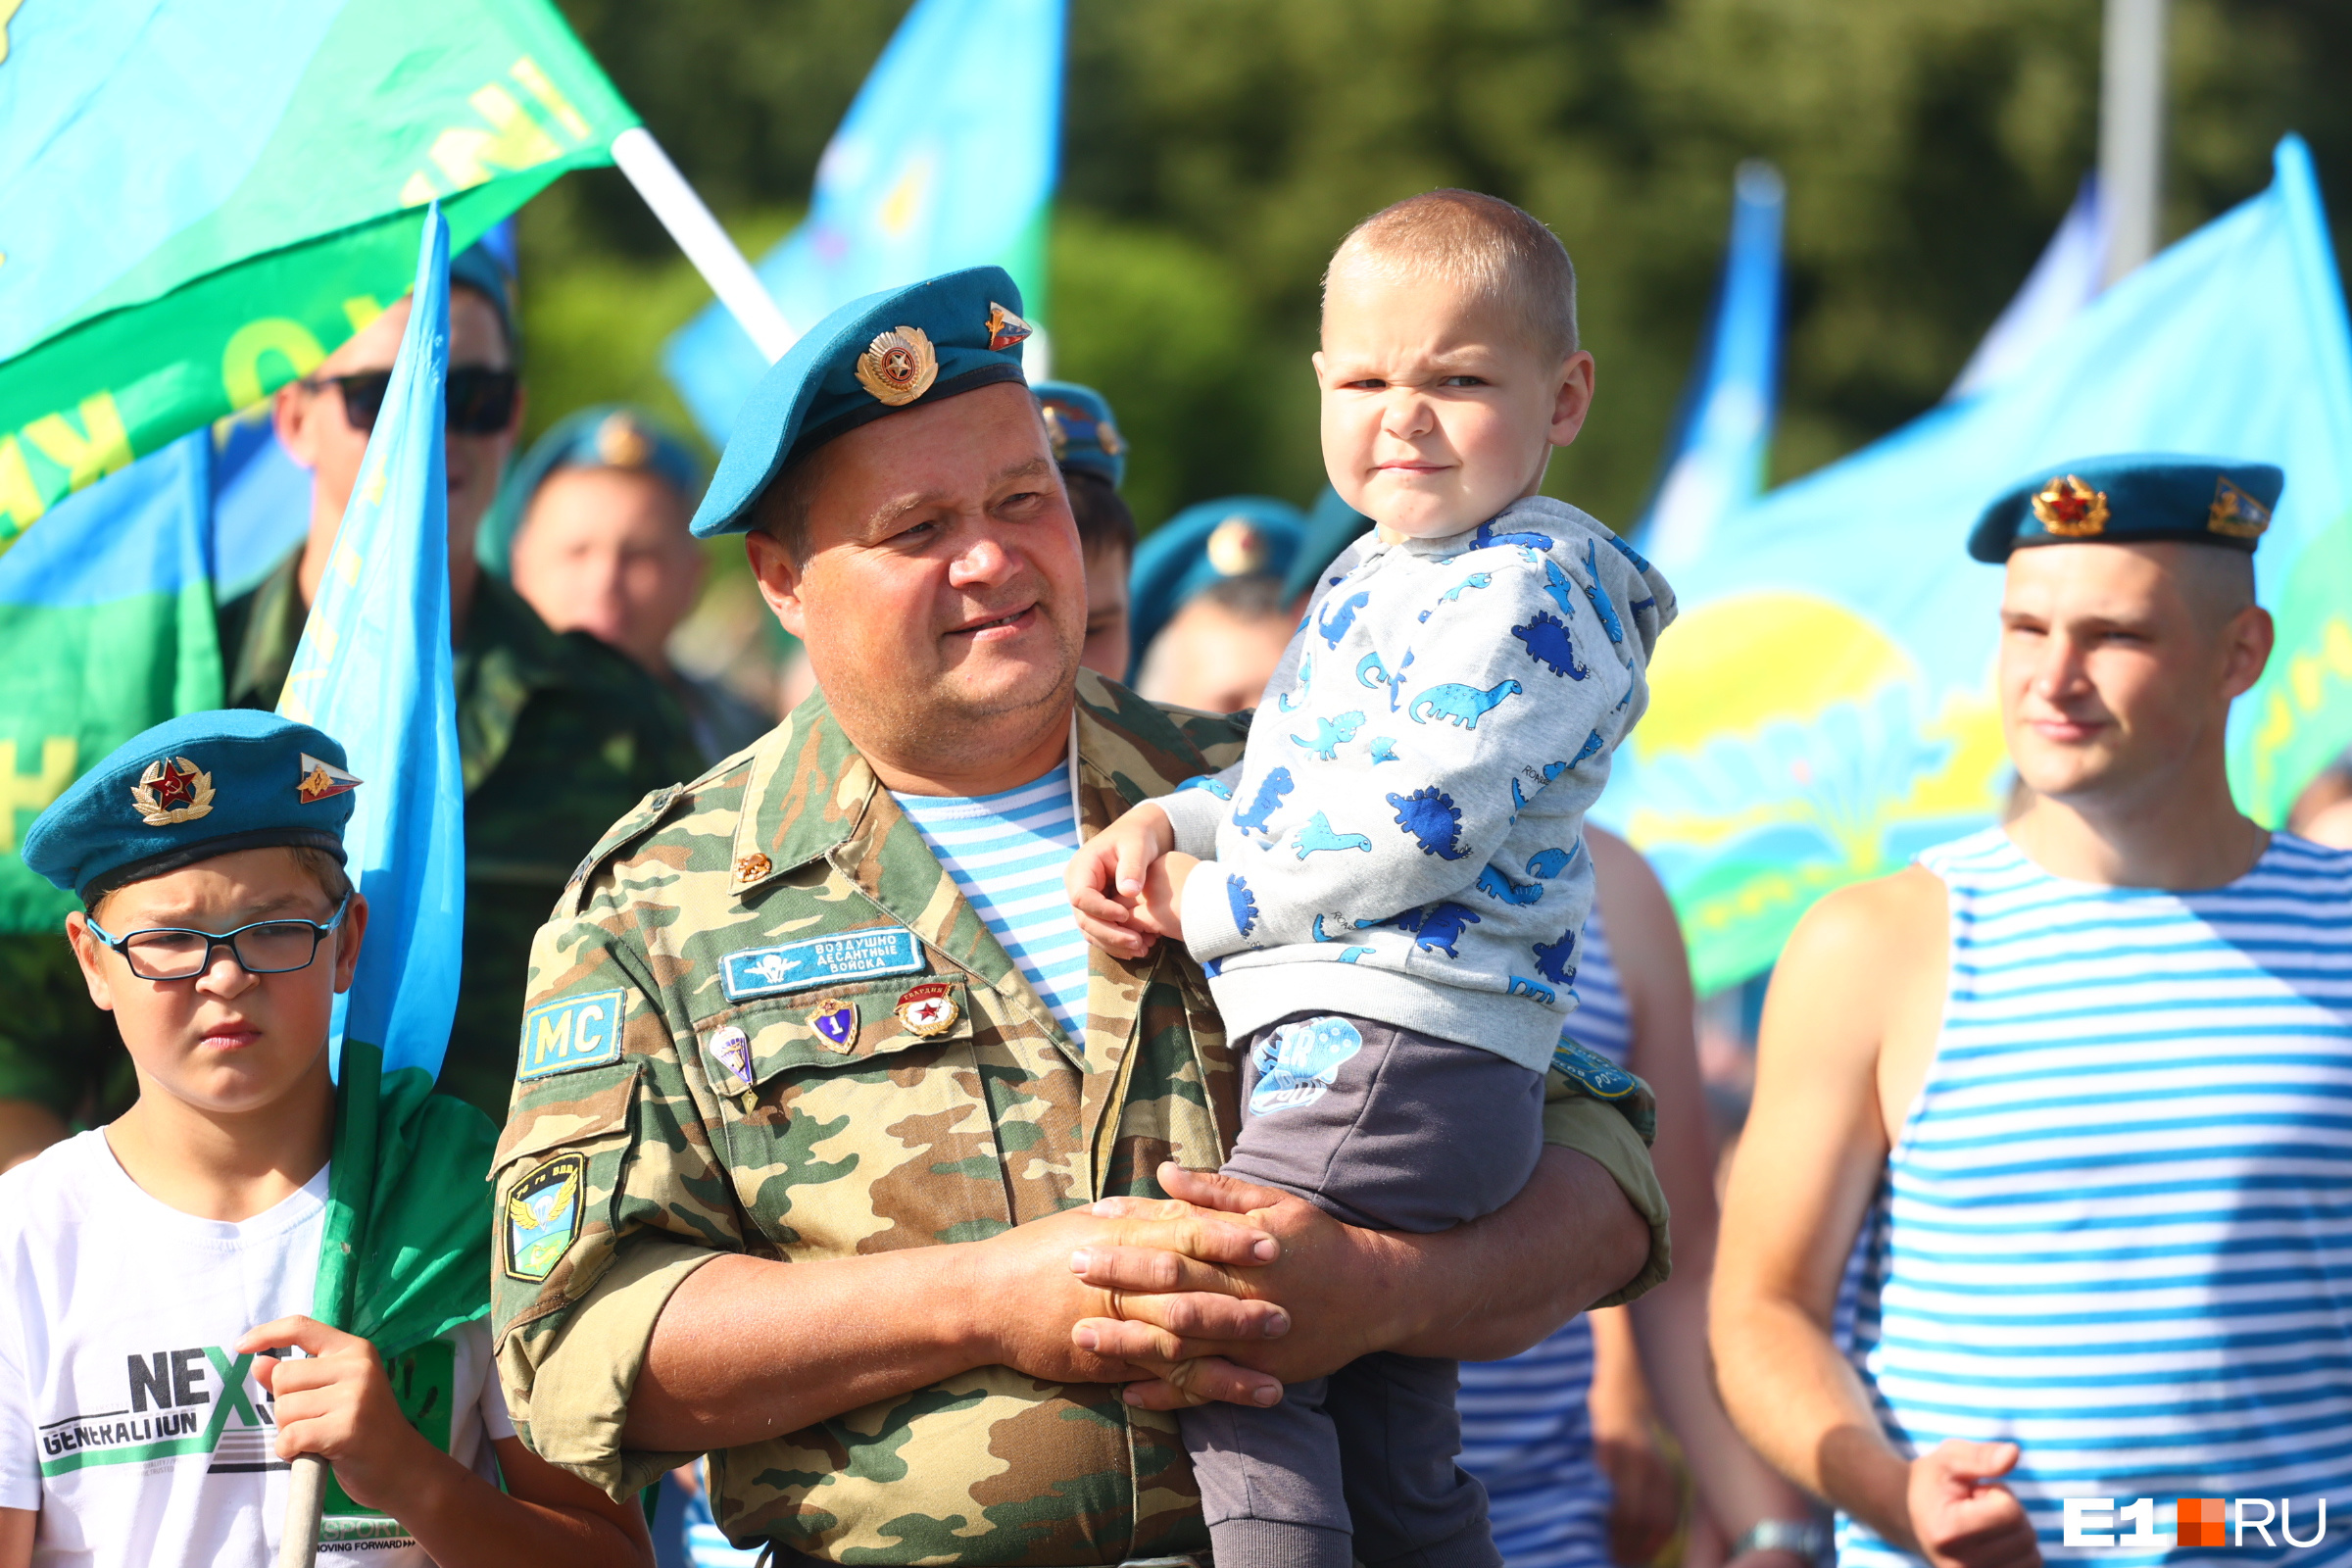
[(542, 1216), (819, 960), (571, 1033), (1603, 1080)]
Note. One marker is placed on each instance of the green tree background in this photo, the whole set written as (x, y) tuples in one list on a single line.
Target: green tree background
[(1215, 150)]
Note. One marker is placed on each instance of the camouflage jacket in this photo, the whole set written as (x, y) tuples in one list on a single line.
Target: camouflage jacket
[(557, 735), (735, 1044)]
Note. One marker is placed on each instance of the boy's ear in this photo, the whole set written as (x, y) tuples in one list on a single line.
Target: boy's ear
[(1573, 399), (347, 941), (85, 954)]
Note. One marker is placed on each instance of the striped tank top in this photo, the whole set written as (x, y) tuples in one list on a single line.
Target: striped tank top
[(1525, 1431), (2116, 1228)]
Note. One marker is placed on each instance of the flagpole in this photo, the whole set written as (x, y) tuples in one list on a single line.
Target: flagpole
[(306, 1496), (2131, 129), (637, 155)]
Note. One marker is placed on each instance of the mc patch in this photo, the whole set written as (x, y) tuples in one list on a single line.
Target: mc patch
[(543, 1216), (819, 960), (571, 1033)]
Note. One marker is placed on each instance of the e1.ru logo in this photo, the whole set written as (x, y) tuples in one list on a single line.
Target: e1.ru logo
[(2196, 1522)]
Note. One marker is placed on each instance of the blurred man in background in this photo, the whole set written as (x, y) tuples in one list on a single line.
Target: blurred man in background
[(591, 530), (1211, 616), (1093, 455)]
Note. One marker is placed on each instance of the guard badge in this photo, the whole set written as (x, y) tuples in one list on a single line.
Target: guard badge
[(1005, 328), (929, 1009), (172, 790), (733, 1049), (321, 781), (543, 1216), (2235, 513), (898, 365), (2071, 509), (834, 1022)]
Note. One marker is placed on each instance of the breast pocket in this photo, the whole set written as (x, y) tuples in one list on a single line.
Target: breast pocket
[(856, 1117)]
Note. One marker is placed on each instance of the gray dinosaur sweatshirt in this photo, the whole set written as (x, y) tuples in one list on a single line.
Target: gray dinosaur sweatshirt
[(1403, 836)]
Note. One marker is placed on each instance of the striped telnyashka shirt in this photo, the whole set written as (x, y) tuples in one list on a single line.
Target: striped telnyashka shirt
[(2117, 1225), (1007, 852), (1525, 1431)]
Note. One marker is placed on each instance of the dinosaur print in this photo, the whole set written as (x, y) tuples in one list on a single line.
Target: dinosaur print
[(1552, 959), (1599, 596), (1528, 987), (1485, 537), (1544, 864), (1436, 927), (1640, 561), (1330, 734), (1550, 645), (1434, 821), (1337, 619), (1459, 705), (1278, 784), (1370, 671), (1318, 835), (1593, 742), (1307, 679), (1351, 925), (1384, 750), (1350, 954), (1477, 579), (1495, 884), (1209, 782), (1556, 583), (1243, 902)]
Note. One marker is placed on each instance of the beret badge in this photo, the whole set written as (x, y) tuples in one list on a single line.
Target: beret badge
[(1005, 328), (2071, 509), (2235, 513), (898, 365), (172, 790)]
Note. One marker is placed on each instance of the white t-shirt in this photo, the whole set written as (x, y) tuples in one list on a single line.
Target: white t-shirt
[(123, 1417)]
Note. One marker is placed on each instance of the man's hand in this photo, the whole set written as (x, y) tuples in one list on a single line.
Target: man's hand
[(1105, 880), (1960, 1518), (337, 1403)]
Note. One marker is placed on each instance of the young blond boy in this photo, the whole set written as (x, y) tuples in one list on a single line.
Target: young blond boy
[(1388, 891), (156, 1274)]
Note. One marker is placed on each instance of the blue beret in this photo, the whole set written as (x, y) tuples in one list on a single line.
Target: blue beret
[(1201, 546), (1084, 434), (606, 435), (476, 269), (193, 787), (902, 348), (2134, 498), (1331, 527)]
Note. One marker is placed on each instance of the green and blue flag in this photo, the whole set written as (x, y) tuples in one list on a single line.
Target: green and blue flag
[(1824, 707), (947, 159), (207, 197)]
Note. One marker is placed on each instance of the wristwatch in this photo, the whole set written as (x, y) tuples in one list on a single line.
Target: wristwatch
[(1808, 1539)]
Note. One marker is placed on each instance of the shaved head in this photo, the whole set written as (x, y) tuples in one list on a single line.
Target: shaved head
[(1480, 244)]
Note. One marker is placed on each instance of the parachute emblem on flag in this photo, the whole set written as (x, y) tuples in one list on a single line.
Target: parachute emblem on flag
[(898, 365), (172, 790), (321, 781), (2236, 513), (1005, 328), (2071, 509)]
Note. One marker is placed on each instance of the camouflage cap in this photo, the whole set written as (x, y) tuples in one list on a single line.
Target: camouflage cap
[(902, 348)]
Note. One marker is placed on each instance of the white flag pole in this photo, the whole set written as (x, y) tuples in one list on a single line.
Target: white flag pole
[(2131, 129), (637, 155)]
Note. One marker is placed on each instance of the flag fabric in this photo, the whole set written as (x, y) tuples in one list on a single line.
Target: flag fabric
[(2071, 271), (1824, 707), (214, 194), (946, 160), (105, 629), (1723, 432)]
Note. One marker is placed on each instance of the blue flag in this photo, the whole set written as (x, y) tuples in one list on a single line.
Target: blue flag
[(374, 671), (946, 159), (1723, 432), (2071, 271), (1824, 707), (106, 628)]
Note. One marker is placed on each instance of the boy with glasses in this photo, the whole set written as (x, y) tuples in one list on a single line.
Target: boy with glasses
[(154, 1272)]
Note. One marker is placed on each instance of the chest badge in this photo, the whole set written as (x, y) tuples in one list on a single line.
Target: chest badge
[(733, 1049), (929, 1009), (834, 1022)]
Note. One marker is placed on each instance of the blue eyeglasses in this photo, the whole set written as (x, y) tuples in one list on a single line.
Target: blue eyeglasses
[(266, 947)]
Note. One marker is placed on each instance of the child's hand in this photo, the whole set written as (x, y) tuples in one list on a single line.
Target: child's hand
[(1106, 877), (336, 1402), (1159, 908)]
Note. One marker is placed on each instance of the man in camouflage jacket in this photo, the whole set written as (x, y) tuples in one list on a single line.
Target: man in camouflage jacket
[(774, 1063)]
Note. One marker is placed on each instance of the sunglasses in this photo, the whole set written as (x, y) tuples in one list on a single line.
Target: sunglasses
[(480, 402)]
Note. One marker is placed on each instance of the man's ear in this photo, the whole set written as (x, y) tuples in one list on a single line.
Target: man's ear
[(780, 582), (2251, 637), (292, 408)]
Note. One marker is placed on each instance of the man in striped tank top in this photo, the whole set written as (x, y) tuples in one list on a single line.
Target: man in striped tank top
[(2077, 1085)]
